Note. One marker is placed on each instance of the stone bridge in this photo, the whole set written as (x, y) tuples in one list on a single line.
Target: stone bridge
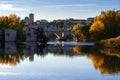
[(55, 34)]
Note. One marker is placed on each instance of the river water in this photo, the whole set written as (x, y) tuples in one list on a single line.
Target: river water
[(58, 61)]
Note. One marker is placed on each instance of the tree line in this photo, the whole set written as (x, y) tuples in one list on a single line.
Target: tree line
[(12, 22), (105, 26)]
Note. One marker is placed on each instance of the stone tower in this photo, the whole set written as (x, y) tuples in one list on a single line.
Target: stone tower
[(31, 17)]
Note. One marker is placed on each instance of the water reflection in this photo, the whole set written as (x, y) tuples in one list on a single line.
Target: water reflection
[(104, 61), (9, 54), (30, 49), (107, 61), (10, 48)]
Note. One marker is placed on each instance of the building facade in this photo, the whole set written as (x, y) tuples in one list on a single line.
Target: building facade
[(10, 35)]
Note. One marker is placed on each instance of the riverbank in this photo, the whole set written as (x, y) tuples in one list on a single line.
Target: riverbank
[(113, 43)]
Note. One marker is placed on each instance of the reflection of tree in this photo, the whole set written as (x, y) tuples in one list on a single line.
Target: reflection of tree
[(11, 59), (82, 49), (77, 49), (40, 50), (32, 48), (111, 52), (107, 61)]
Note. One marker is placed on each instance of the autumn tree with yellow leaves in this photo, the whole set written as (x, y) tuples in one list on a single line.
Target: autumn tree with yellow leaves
[(12, 22), (106, 25), (80, 32)]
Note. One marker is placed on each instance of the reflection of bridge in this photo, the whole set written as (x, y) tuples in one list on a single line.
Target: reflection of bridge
[(32, 47)]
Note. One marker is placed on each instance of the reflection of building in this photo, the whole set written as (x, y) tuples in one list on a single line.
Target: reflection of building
[(10, 35), (9, 54), (1, 35), (30, 50), (1, 46), (10, 47)]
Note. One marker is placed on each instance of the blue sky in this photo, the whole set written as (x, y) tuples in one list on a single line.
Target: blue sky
[(57, 9)]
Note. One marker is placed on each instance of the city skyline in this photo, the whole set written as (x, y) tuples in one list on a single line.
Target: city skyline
[(57, 9)]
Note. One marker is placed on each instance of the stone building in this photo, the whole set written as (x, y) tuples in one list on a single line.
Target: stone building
[(10, 35)]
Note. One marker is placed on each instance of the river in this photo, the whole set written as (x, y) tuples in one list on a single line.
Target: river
[(58, 61)]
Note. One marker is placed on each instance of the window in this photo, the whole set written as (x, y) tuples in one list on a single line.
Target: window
[(28, 34), (7, 34)]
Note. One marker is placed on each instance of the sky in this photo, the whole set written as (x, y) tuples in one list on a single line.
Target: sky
[(57, 9)]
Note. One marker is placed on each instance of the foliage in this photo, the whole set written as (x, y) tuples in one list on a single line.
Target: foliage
[(112, 42), (12, 22), (77, 49), (106, 25), (81, 32), (95, 30), (12, 59), (105, 60), (78, 32)]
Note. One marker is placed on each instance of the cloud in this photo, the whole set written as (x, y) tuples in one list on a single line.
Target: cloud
[(10, 7), (72, 5), (9, 73)]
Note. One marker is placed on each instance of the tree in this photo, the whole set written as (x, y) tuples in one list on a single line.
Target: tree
[(78, 32), (95, 30), (118, 21), (12, 22), (106, 25), (81, 32)]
